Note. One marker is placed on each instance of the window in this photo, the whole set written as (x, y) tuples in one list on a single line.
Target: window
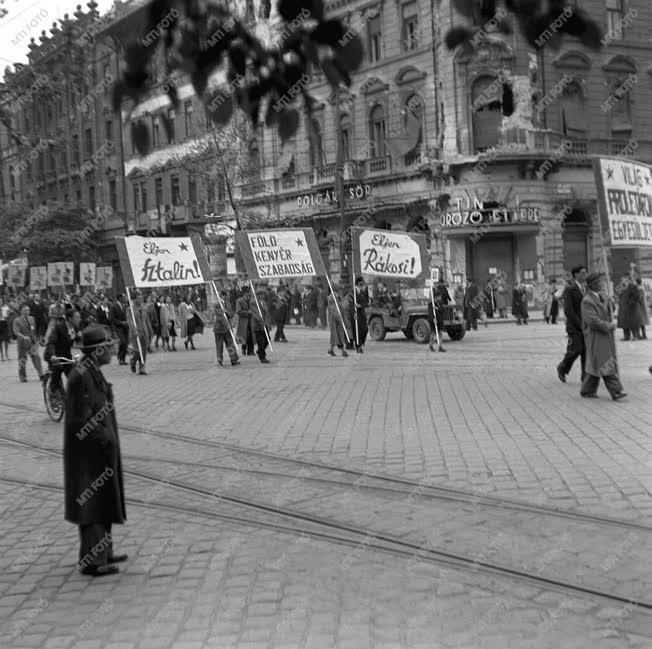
[(487, 112), (158, 191), (174, 190), (254, 158), (410, 26), (113, 195), (91, 197), (377, 132), (210, 192), (615, 19), (156, 140), (573, 119), (108, 130), (192, 190), (374, 32), (88, 143), (187, 116), (136, 199), (171, 118), (75, 150), (620, 106), (345, 130), (143, 196), (412, 123), (315, 144), (78, 195)]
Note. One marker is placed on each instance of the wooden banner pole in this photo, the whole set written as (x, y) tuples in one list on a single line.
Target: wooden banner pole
[(251, 285), (133, 319), (337, 306), (434, 314)]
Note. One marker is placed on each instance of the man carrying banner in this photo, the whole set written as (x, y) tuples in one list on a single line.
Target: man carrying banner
[(140, 330), (261, 325), (243, 309), (222, 331)]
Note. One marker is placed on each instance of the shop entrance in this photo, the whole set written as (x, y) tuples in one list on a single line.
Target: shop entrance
[(488, 253)]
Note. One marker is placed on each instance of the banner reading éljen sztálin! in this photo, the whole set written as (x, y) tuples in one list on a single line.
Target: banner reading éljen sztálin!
[(276, 254), (383, 253), (162, 261)]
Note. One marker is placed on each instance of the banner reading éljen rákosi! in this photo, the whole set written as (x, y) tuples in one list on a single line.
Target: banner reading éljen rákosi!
[(162, 261), (274, 254), (625, 195), (383, 253)]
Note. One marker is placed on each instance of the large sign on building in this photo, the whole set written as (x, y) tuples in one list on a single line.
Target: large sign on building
[(625, 200), (476, 213)]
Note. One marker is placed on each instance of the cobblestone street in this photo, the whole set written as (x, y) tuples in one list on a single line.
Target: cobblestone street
[(218, 558)]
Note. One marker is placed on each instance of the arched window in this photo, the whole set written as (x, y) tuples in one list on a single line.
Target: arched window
[(346, 130), (412, 123), (377, 132), (620, 106), (573, 119), (487, 112), (315, 144)]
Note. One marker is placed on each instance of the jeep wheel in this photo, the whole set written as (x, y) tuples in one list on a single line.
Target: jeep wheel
[(456, 333), (377, 329), (421, 330)]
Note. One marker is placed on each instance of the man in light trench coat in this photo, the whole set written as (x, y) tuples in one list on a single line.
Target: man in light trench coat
[(598, 329)]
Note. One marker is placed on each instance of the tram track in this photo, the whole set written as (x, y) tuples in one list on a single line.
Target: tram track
[(330, 529), (362, 479)]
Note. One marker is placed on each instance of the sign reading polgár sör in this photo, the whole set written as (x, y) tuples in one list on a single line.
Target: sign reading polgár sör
[(355, 192)]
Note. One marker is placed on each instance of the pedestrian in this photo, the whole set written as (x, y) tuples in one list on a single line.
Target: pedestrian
[(92, 465), (519, 303), (5, 311), (470, 303), (244, 309), (261, 325), (28, 344), (222, 331), (280, 307), (598, 328), (63, 335), (551, 303), (103, 312), (572, 298), (153, 311), (642, 307), (501, 299), (310, 307), (336, 325), (322, 305), (186, 318), (39, 312), (140, 330), (489, 298), (441, 298), (168, 322), (120, 326), (629, 312), (297, 305)]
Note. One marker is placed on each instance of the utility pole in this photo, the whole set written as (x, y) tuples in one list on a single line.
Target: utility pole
[(339, 189)]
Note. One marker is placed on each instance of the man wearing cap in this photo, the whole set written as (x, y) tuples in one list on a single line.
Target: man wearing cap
[(572, 299), (92, 466), (598, 328)]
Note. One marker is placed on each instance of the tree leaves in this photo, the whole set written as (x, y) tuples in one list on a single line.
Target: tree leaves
[(456, 36), (288, 124), (220, 106), (350, 54), (328, 32)]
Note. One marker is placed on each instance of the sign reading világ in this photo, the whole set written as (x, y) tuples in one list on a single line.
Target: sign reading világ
[(280, 253), (625, 199), (162, 261), (477, 214)]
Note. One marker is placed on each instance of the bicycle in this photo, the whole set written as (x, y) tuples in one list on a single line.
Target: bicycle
[(54, 395)]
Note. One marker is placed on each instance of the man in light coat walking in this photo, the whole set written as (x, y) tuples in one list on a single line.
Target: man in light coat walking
[(598, 329)]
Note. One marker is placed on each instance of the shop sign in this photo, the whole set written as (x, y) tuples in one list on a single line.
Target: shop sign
[(477, 215), (625, 199), (353, 193)]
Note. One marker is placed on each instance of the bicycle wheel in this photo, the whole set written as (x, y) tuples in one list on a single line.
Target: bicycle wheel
[(53, 399)]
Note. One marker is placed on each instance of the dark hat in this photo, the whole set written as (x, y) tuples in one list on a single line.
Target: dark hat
[(359, 279), (593, 278), (96, 336)]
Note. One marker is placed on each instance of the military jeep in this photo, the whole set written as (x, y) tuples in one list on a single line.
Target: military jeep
[(413, 321)]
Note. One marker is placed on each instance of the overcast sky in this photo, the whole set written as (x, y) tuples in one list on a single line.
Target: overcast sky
[(32, 17)]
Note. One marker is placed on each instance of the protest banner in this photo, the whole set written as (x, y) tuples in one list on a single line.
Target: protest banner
[(275, 254), (103, 277), (38, 278), (60, 273), (162, 261), (87, 273), (16, 275), (383, 253), (625, 201)]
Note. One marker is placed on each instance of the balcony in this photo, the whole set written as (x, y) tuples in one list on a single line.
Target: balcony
[(378, 166), (253, 188), (288, 182), (325, 174)]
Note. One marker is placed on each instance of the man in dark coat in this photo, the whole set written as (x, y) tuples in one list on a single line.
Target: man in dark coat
[(297, 305), (243, 309), (120, 327), (519, 304), (310, 307), (103, 312), (261, 325), (361, 302), (222, 331), (24, 328), (280, 308), (471, 305), (39, 312), (572, 298), (598, 328), (441, 297), (63, 335), (629, 314), (92, 466), (140, 334), (322, 305)]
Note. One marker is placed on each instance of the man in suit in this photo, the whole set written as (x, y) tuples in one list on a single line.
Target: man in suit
[(119, 324), (140, 330), (25, 331), (39, 312), (572, 299), (598, 328), (103, 313), (261, 325), (471, 305), (63, 335)]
